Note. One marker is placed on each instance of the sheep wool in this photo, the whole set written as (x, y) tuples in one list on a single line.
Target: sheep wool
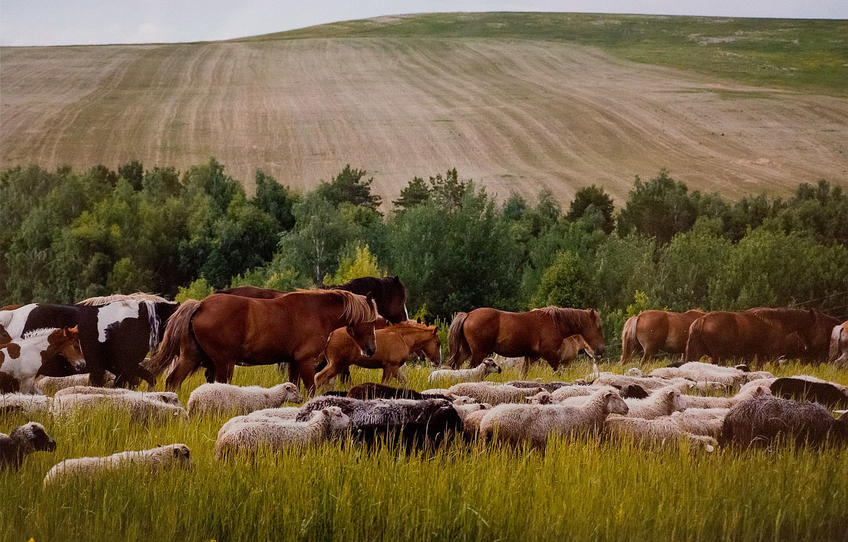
[(21, 442), (494, 394), (215, 398), (486, 367), (655, 432), (156, 459)]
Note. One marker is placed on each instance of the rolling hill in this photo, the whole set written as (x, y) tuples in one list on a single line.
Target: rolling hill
[(518, 102)]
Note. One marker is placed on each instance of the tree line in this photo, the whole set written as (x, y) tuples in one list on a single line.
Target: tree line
[(68, 235)]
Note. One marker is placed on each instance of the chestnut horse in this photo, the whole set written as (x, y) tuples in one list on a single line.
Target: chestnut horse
[(813, 326), (224, 330), (394, 345), (656, 330), (723, 335), (535, 334)]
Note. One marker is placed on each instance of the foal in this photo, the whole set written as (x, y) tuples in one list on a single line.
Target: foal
[(44, 351)]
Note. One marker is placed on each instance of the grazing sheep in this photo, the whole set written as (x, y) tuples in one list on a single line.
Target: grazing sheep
[(494, 394), (703, 372), (272, 414), (471, 416), (49, 385), (547, 386), (486, 367), (810, 388), (163, 396), (701, 421), (437, 393), (655, 432), (141, 407), (156, 459), (23, 441), (413, 421), (24, 403), (537, 423), (646, 382), (660, 403), (210, 399), (759, 421), (278, 434), (697, 401)]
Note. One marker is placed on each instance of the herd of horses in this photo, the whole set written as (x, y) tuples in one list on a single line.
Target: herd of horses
[(365, 322)]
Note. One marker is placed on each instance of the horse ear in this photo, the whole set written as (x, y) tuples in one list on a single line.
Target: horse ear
[(74, 329)]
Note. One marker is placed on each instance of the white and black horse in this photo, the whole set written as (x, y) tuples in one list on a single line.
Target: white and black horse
[(115, 332)]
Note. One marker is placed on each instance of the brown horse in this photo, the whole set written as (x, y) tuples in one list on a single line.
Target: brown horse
[(224, 330), (655, 330), (568, 351), (535, 334), (724, 335), (813, 326), (394, 345)]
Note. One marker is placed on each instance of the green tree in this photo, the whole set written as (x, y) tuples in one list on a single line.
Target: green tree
[(596, 198), (275, 199), (359, 263), (415, 193), (349, 186), (658, 208), (198, 289), (564, 284), (133, 173)]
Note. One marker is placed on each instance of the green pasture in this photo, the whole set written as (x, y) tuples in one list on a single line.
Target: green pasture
[(797, 54), (581, 489)]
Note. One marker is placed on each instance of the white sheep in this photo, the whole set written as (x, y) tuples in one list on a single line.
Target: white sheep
[(24, 403), (49, 385), (494, 394), (278, 434), (655, 432), (697, 401), (471, 416), (486, 367), (660, 403), (156, 459), (437, 392), (164, 396), (701, 421), (702, 372), (536, 423), (215, 398), (273, 414), (141, 408), (647, 382)]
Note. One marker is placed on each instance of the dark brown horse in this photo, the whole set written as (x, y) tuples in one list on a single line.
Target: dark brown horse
[(655, 330), (724, 335), (535, 334), (224, 330), (813, 326), (388, 292), (394, 345)]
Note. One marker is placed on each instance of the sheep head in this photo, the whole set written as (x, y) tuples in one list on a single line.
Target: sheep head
[(614, 404), (490, 366)]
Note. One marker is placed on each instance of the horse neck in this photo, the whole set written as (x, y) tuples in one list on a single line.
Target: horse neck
[(415, 337)]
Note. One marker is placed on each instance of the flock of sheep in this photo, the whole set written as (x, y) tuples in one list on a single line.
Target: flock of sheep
[(657, 409)]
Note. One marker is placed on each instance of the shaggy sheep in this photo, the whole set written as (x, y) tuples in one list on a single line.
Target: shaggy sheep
[(164, 396), (156, 459), (646, 382), (278, 434), (486, 367), (24, 403), (49, 385), (547, 386), (437, 393), (23, 441), (703, 372), (810, 388), (700, 421), (494, 394), (141, 407), (697, 401), (758, 421), (273, 414), (537, 423), (471, 416), (655, 432), (209, 399), (413, 421), (372, 390), (660, 403)]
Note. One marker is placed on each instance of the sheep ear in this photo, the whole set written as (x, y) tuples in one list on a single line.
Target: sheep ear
[(177, 452)]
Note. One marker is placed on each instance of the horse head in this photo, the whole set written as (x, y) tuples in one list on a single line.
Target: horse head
[(432, 348), (592, 332), (66, 343)]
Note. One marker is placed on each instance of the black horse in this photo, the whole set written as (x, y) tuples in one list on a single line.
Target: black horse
[(116, 332)]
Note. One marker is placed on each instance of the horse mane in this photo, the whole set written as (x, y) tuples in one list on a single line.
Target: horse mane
[(569, 319), (356, 309), (106, 299), (40, 332), (410, 324)]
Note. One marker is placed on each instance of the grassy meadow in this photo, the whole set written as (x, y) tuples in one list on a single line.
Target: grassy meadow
[(465, 491)]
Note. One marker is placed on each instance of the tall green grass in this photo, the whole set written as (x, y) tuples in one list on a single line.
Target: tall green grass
[(576, 489)]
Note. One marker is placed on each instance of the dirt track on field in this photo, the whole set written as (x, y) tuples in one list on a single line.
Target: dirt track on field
[(516, 115)]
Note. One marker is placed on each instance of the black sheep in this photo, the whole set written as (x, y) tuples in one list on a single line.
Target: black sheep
[(21, 442)]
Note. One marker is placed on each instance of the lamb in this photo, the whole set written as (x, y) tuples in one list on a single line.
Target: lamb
[(655, 432), (24, 403), (759, 421), (156, 459), (701, 372), (485, 392), (272, 414), (249, 436), (471, 416), (537, 423), (164, 396), (49, 385), (810, 388), (208, 399), (486, 367), (23, 441), (141, 408), (700, 421), (697, 401)]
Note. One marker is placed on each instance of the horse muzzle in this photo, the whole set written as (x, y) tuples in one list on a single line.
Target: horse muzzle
[(367, 351), (78, 365)]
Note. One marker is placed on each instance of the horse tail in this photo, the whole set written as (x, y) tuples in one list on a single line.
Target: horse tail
[(628, 339), (457, 344), (179, 326), (835, 339), (695, 347)]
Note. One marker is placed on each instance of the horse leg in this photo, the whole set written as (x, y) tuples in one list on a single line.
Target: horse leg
[(649, 352), (344, 375), (181, 369), (325, 374), (307, 374), (525, 365)]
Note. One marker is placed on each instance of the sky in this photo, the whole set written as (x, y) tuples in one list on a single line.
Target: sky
[(72, 22)]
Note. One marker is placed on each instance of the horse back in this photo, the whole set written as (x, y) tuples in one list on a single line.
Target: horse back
[(512, 333)]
